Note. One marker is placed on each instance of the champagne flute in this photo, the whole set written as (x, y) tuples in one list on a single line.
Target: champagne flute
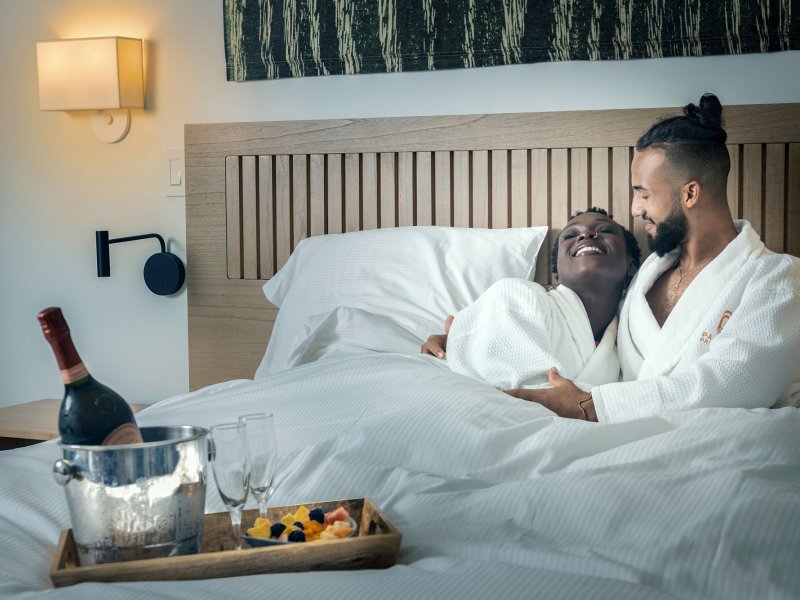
[(231, 466), (262, 449)]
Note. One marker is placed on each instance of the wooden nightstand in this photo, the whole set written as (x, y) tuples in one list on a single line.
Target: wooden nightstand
[(32, 422)]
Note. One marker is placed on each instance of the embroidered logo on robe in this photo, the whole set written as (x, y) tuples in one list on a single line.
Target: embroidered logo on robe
[(724, 319)]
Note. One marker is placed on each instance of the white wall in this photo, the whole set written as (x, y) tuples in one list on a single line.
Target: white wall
[(58, 184)]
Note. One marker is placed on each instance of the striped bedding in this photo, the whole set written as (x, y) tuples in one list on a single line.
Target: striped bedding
[(494, 497)]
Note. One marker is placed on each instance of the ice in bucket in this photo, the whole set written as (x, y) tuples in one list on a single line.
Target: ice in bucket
[(137, 501)]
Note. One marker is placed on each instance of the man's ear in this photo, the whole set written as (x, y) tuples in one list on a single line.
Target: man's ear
[(690, 193)]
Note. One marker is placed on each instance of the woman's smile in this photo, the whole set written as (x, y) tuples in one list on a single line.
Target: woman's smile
[(589, 248)]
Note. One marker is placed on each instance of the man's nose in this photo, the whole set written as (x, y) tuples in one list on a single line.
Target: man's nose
[(636, 207)]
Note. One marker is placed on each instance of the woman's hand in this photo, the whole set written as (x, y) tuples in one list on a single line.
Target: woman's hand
[(436, 345), (563, 398)]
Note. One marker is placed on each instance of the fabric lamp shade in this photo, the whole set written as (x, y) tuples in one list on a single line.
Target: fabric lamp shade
[(91, 73)]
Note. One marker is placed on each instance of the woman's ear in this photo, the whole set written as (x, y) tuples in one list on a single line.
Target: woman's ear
[(632, 268)]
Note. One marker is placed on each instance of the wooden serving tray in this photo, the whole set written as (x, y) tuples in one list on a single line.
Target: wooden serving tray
[(375, 546)]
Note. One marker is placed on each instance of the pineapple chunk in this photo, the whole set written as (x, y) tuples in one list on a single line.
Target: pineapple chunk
[(260, 531), (301, 514)]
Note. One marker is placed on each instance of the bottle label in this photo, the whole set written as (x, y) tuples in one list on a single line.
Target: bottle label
[(75, 373), (127, 433)]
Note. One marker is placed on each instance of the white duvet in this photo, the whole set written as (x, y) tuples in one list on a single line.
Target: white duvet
[(495, 497)]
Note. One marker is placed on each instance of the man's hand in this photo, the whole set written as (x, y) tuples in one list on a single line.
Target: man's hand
[(437, 344), (563, 398)]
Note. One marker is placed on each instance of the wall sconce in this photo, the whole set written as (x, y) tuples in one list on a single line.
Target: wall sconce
[(104, 74), (164, 272)]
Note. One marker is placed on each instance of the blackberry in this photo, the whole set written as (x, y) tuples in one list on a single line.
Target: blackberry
[(299, 525), (317, 515), (276, 530), (297, 536)]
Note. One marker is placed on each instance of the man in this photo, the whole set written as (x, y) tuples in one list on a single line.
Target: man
[(713, 317)]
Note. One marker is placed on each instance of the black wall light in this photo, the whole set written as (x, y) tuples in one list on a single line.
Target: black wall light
[(164, 272)]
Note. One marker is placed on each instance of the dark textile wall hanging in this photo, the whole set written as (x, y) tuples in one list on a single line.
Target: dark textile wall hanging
[(268, 39)]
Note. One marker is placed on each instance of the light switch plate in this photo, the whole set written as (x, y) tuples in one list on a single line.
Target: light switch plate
[(174, 173)]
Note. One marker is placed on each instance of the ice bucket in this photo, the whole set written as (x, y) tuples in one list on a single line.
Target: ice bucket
[(137, 501)]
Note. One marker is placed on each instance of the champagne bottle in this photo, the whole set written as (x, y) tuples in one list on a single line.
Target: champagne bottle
[(91, 413)]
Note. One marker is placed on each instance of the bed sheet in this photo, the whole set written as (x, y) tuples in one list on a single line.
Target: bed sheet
[(494, 496)]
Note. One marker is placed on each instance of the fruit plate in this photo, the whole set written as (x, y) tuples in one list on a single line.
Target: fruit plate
[(375, 545), (258, 542)]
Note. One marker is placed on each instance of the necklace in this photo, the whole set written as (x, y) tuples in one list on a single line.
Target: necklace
[(680, 281), (681, 276)]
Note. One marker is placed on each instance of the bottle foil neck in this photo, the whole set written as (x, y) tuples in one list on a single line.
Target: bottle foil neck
[(74, 373)]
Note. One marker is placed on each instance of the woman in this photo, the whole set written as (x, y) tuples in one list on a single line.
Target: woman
[(516, 331)]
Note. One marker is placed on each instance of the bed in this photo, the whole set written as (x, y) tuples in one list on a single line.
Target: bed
[(366, 233)]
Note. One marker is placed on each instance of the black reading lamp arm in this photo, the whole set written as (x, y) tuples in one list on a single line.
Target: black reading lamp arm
[(164, 272), (144, 236), (102, 242)]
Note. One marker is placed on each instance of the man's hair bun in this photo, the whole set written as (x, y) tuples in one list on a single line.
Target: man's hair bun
[(699, 124), (708, 113)]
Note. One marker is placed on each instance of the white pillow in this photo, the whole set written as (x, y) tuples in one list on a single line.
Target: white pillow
[(415, 276)]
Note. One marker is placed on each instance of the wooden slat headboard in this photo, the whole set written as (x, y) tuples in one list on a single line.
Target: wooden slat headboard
[(254, 190)]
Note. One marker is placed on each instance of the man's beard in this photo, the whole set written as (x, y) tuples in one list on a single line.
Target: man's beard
[(670, 232)]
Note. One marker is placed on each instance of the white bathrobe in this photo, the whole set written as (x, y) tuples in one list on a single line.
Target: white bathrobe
[(732, 340), (516, 330)]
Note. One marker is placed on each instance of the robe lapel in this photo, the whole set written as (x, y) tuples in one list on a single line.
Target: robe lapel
[(641, 330), (603, 365), (571, 308)]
